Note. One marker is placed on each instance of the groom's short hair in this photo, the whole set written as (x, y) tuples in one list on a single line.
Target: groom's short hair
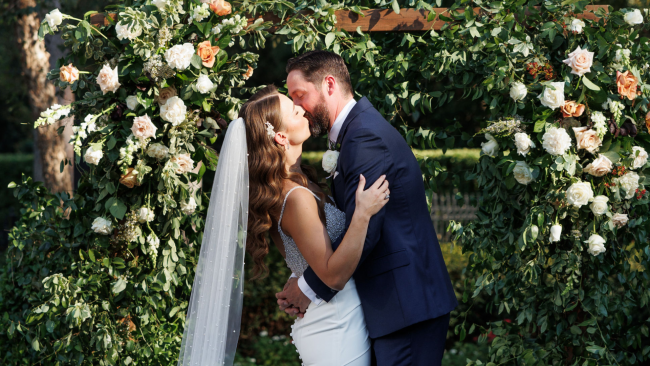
[(315, 65)]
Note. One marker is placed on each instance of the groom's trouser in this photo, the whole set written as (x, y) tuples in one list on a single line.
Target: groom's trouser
[(421, 344)]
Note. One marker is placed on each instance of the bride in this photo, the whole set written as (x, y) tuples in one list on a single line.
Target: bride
[(259, 187)]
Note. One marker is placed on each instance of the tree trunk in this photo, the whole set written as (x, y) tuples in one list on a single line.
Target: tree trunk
[(36, 64)]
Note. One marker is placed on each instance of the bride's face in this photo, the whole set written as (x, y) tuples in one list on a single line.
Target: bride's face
[(294, 124)]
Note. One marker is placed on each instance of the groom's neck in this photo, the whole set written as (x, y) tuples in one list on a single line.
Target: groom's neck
[(340, 104)]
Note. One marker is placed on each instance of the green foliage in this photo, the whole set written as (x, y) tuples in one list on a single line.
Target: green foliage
[(12, 166)]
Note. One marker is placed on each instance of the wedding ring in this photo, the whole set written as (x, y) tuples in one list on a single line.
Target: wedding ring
[(387, 196)]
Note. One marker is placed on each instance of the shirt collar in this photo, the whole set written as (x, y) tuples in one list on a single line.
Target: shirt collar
[(338, 123)]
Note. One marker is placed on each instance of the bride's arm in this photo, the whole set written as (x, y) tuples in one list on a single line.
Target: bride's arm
[(302, 222)]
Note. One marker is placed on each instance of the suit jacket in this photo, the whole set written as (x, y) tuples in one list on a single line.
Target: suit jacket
[(401, 278)]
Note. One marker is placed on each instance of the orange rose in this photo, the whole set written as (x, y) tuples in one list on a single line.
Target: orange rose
[(207, 52), (220, 7), (69, 73), (572, 109), (130, 179), (647, 121), (248, 73), (626, 83)]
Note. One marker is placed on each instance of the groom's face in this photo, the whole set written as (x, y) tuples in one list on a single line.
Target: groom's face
[(312, 100)]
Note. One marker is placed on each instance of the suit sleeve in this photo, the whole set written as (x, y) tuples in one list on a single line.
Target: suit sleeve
[(366, 154)]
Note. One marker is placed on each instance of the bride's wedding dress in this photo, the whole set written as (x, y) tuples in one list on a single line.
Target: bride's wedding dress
[(332, 333)]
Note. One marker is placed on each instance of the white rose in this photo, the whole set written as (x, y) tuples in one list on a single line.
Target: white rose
[(629, 183), (160, 4), (330, 158), (556, 231), (93, 156), (179, 56), (144, 214), (184, 162), (173, 111), (491, 147), (158, 151), (518, 91), (188, 207), (580, 62), (553, 98), (102, 226), (54, 18), (556, 141), (143, 128), (522, 173), (596, 244), (619, 220), (576, 25), (132, 102), (204, 84), (579, 194), (633, 17), (523, 143), (107, 79), (599, 205), (639, 160), (599, 167), (125, 32), (587, 139)]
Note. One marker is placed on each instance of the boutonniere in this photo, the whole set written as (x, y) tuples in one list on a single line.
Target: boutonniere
[(330, 158)]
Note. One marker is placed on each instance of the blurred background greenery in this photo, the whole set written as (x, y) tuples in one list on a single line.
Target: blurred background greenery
[(264, 329)]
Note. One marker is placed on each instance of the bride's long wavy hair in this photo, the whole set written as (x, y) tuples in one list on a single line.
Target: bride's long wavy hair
[(267, 172)]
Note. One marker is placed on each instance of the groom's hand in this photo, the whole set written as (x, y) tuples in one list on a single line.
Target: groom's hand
[(291, 300)]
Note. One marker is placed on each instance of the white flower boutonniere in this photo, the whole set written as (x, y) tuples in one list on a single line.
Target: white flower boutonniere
[(330, 158)]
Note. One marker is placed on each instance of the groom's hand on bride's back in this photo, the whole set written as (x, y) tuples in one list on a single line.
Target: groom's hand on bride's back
[(291, 300)]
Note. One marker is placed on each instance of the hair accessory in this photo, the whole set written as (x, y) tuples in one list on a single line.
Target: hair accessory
[(270, 130)]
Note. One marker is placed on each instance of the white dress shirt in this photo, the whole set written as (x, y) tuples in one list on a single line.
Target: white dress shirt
[(333, 136)]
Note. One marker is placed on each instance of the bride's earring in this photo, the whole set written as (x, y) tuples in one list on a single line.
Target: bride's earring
[(286, 147)]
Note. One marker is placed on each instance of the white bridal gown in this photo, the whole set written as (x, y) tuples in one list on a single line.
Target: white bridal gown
[(332, 333)]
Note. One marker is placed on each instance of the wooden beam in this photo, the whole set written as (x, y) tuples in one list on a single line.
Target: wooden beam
[(377, 20)]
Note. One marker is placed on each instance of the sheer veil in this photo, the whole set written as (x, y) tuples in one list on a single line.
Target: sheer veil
[(214, 314)]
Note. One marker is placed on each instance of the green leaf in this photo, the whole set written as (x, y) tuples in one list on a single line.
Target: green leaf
[(589, 84), (118, 286), (116, 207), (329, 39), (395, 6), (196, 61), (35, 345)]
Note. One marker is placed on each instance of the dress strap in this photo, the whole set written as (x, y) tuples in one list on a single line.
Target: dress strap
[(285, 203)]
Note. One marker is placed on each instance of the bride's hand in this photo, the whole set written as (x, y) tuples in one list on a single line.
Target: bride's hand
[(371, 200)]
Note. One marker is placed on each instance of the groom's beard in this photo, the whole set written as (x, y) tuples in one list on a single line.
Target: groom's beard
[(319, 121)]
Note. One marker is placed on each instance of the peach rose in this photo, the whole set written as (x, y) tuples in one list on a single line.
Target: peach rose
[(647, 121), (69, 73), (580, 61), (164, 94), (572, 109), (626, 83), (248, 73), (207, 52), (599, 167), (220, 7), (184, 162), (587, 139), (143, 127), (130, 179)]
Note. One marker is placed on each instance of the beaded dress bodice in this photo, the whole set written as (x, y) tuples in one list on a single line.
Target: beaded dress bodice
[(335, 220)]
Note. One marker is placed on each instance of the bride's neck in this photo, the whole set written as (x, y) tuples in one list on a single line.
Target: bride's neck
[(294, 158)]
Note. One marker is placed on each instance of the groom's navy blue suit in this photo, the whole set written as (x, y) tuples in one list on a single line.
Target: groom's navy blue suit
[(402, 279)]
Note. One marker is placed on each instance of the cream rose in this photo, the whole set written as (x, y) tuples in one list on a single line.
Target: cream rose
[(108, 80), (579, 194), (580, 61), (523, 143), (556, 232), (204, 84), (54, 18), (330, 159), (158, 151), (553, 98), (184, 162), (599, 167), (491, 146), (556, 141), (599, 205), (619, 220), (518, 91), (93, 156), (633, 17), (69, 74), (180, 56), (628, 183), (522, 173), (144, 214), (576, 25), (143, 128), (596, 244), (125, 32), (102, 226), (189, 206), (173, 111), (587, 139), (640, 157), (132, 102)]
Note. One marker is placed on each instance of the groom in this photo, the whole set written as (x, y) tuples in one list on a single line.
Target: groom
[(402, 280)]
